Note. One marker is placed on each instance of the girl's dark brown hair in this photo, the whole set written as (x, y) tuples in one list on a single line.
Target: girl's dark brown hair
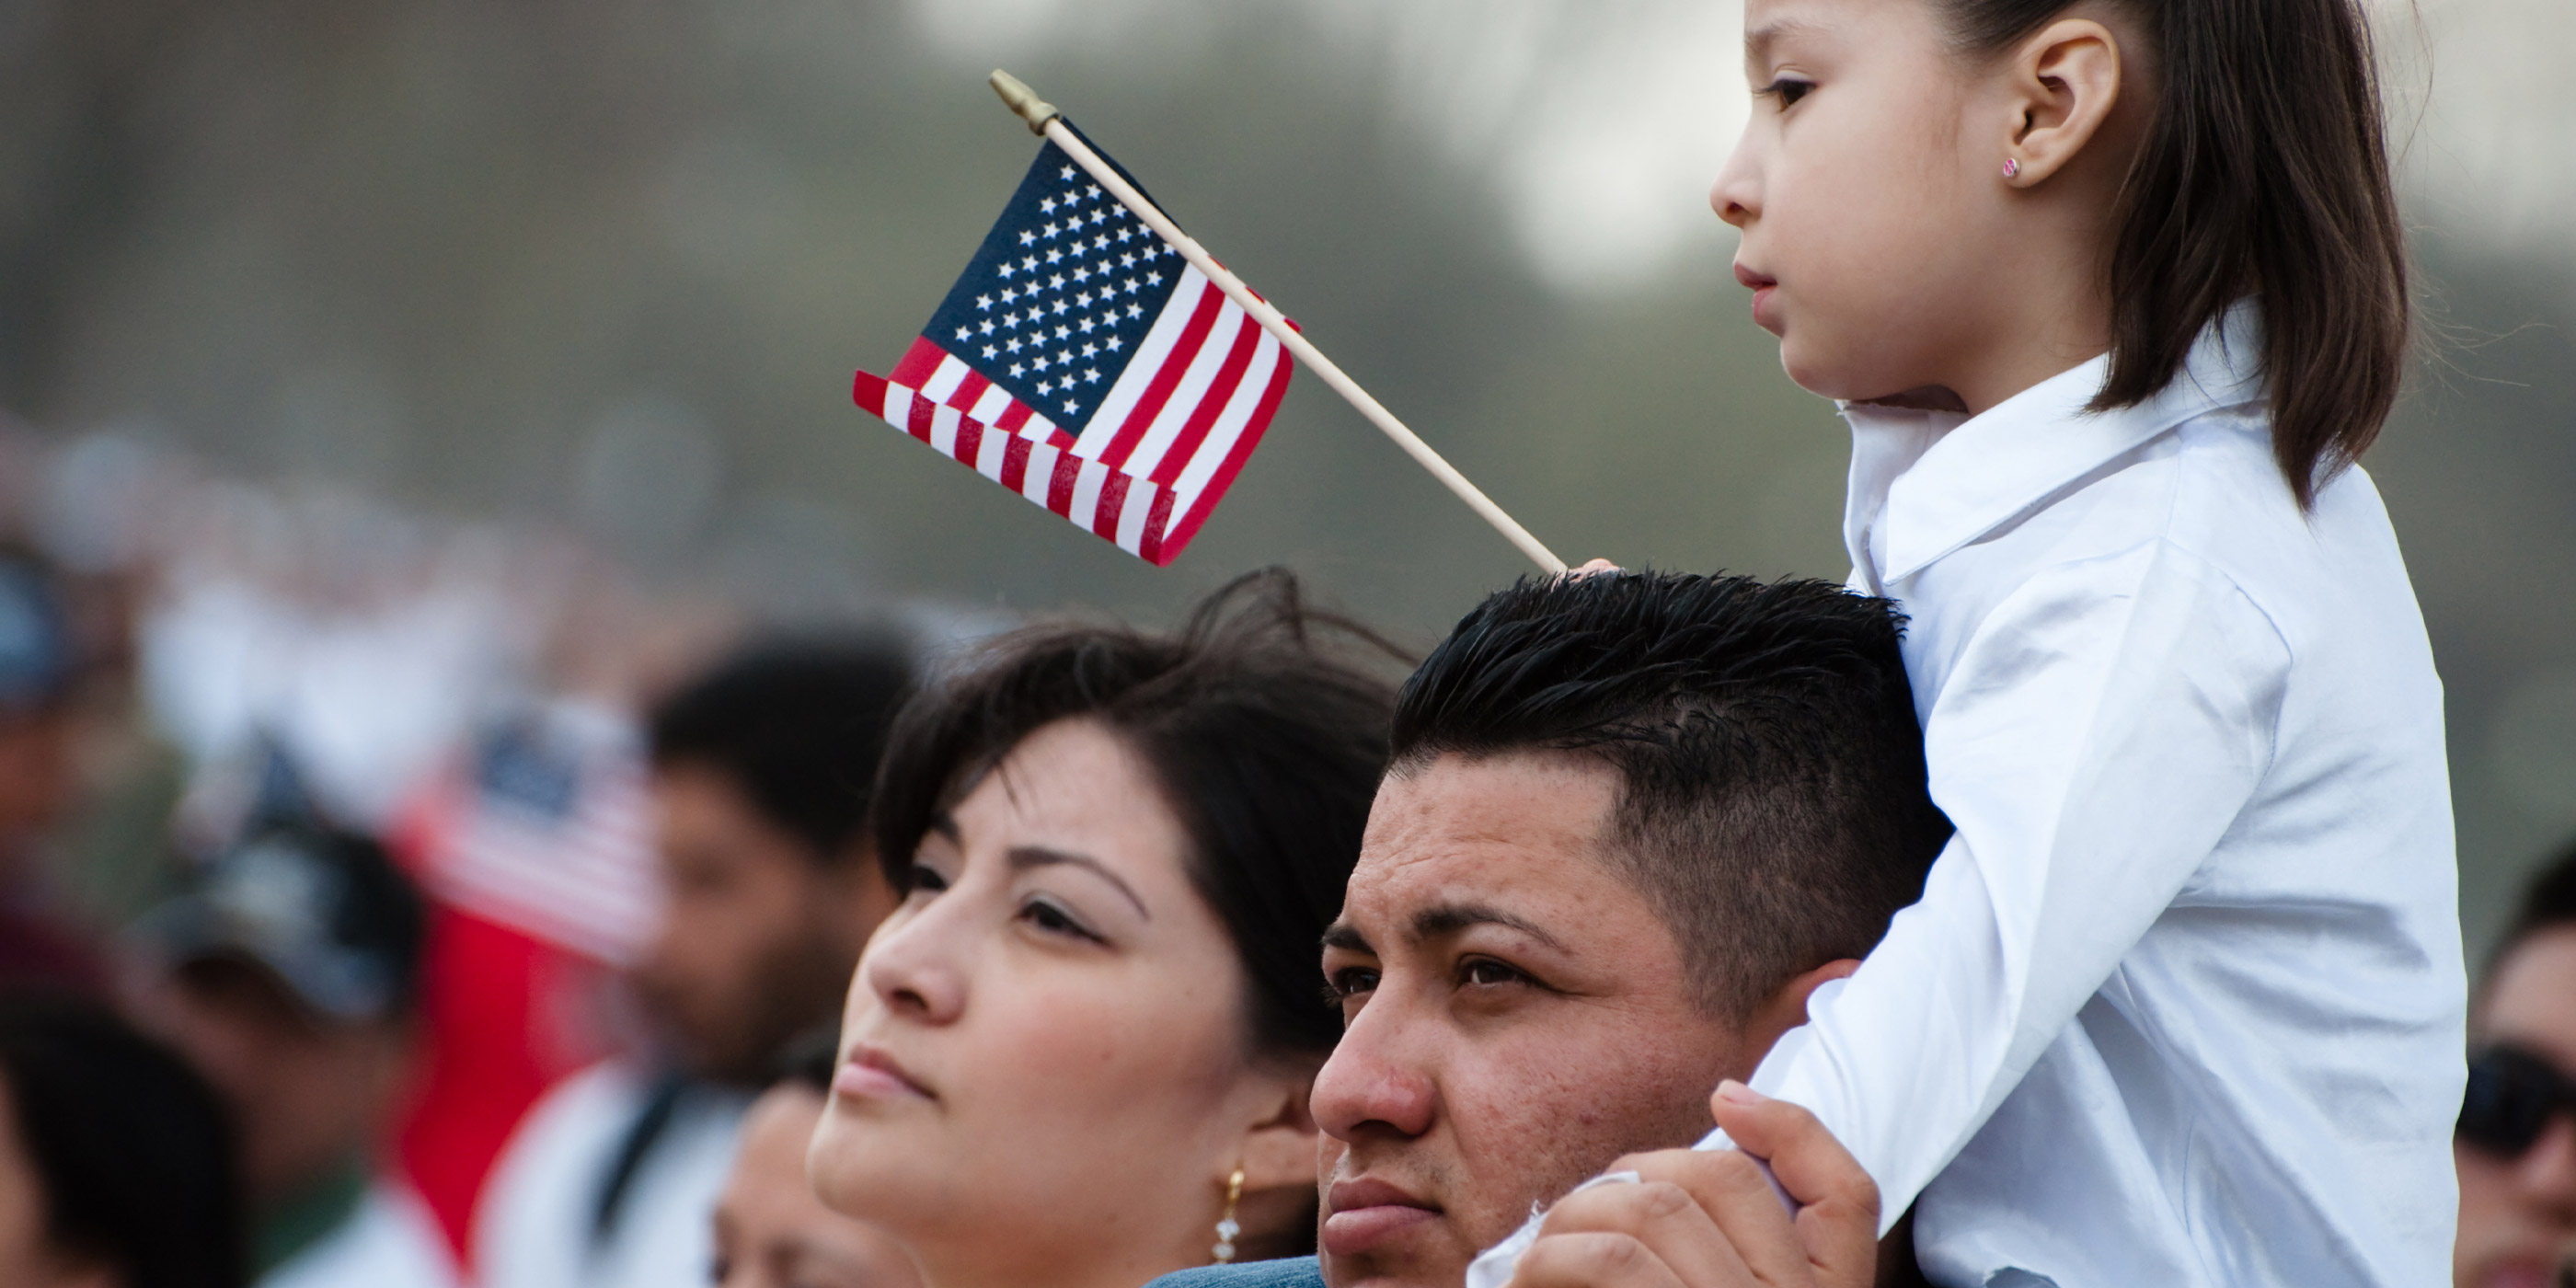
[(2264, 176), (1261, 724)]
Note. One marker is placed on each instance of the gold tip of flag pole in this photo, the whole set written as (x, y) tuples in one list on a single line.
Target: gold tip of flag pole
[(1024, 101)]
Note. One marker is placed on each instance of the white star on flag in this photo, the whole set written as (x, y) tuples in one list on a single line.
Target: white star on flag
[(1187, 381)]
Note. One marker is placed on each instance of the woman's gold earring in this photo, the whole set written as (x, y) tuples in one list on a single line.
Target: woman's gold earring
[(1226, 1228)]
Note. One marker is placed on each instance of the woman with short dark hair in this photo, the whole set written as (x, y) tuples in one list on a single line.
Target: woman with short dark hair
[(116, 1162), (1080, 1051)]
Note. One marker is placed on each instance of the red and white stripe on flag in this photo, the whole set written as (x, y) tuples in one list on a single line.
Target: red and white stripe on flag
[(1158, 449)]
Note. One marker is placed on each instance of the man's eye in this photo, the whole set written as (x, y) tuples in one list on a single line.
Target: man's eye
[(1352, 981), (1787, 90), (1486, 972)]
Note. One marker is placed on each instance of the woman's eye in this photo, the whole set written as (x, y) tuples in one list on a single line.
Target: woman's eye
[(1788, 91), (1054, 920), (923, 879), (1487, 973)]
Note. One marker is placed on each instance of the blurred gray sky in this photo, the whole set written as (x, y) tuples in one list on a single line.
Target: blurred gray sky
[(610, 265)]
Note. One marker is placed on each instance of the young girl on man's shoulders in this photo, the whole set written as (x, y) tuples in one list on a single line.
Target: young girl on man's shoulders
[(2114, 296)]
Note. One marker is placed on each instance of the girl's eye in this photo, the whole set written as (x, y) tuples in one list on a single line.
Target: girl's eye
[(1485, 972), (1352, 981), (1055, 920), (1788, 90)]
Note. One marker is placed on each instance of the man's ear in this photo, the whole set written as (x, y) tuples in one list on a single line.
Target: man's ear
[(2062, 84), (1787, 1008)]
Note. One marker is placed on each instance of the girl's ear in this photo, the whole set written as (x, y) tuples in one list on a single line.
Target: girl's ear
[(2063, 82)]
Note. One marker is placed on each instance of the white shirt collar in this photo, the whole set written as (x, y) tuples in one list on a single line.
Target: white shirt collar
[(1925, 483)]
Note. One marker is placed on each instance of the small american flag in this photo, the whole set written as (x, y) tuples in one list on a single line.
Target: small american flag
[(1084, 364)]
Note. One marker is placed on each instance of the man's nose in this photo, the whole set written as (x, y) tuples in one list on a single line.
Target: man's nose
[(2546, 1173), (1372, 1084)]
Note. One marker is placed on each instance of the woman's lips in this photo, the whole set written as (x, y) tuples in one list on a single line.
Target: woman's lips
[(870, 1073), (1362, 1214)]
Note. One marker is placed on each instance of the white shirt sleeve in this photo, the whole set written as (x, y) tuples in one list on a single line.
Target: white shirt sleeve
[(2092, 742)]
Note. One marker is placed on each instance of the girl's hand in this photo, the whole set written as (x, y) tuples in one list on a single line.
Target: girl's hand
[(1709, 1219)]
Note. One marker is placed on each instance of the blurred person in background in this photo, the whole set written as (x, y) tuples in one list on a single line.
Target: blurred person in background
[(40, 946), (2516, 1145), (761, 772), (1080, 1052), (287, 972), (117, 1167), (770, 1229)]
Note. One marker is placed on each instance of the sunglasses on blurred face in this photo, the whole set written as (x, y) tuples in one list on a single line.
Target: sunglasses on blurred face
[(2512, 1095)]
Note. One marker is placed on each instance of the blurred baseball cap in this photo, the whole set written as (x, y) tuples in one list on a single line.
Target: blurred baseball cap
[(323, 910)]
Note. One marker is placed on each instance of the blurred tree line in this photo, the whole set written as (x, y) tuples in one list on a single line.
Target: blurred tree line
[(611, 266)]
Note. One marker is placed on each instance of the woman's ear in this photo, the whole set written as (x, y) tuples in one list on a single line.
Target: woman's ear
[(2062, 84), (1279, 1151), (1277, 1154)]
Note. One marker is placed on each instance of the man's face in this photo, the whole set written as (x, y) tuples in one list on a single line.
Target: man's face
[(2518, 1215), (309, 1094), (759, 933), (1517, 1017)]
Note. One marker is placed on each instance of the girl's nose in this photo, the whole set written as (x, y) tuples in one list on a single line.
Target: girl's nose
[(1736, 196)]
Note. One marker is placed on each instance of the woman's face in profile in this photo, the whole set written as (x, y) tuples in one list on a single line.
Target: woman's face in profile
[(1044, 1053)]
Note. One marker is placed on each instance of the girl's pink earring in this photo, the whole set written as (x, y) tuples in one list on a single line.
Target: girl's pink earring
[(2011, 167)]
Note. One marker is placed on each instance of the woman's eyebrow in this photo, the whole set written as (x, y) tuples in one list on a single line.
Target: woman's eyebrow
[(1024, 857)]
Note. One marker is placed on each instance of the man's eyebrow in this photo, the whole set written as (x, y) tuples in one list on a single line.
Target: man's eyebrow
[(1024, 857), (1347, 937), (1451, 918)]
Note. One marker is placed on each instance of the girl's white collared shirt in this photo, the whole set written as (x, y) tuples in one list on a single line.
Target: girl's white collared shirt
[(2183, 1001)]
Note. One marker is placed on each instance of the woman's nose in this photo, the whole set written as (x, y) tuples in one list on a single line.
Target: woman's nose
[(912, 969)]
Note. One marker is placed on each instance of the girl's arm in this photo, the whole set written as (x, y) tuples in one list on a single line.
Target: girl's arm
[(2093, 742)]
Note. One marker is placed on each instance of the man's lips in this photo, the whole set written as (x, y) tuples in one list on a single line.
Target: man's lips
[(1362, 1214), (871, 1074)]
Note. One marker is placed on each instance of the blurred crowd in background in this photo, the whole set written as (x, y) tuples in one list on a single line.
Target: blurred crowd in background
[(483, 888)]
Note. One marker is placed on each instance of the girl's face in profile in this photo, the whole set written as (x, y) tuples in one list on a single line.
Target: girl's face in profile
[(1882, 239), (1044, 1066), (1852, 192)]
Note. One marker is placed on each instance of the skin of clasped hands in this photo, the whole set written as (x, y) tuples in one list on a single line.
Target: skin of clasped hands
[(1708, 1218)]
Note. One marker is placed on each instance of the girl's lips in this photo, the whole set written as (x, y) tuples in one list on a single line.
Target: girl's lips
[(1762, 285), (870, 1073)]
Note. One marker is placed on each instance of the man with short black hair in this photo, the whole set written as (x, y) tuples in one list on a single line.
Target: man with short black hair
[(288, 972), (1633, 821), (762, 767), (2516, 1144)]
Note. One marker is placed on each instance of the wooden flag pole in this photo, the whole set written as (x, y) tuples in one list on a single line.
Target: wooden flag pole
[(1044, 119)]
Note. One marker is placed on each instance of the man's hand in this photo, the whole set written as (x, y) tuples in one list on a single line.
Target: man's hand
[(1709, 1219)]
